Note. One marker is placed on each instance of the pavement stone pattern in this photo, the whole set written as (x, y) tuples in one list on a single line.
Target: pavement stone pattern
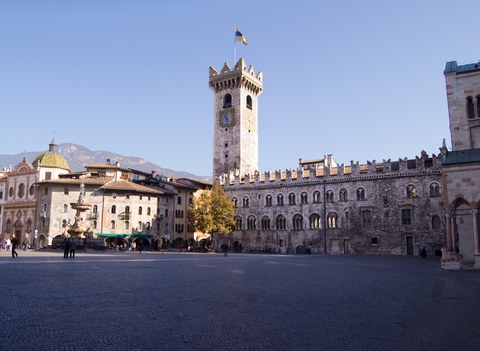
[(175, 301)]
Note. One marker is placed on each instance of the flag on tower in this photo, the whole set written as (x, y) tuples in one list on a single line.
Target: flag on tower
[(239, 36)]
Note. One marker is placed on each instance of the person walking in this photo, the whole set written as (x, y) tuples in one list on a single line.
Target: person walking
[(14, 246), (66, 248), (72, 246), (424, 252)]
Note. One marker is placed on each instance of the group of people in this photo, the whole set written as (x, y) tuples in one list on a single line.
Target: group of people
[(10, 245), (69, 248)]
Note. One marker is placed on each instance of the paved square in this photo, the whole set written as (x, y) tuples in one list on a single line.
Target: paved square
[(153, 301)]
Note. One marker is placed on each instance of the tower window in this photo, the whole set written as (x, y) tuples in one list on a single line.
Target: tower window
[(470, 108), (227, 101), (249, 102)]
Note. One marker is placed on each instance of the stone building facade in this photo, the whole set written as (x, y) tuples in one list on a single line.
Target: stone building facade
[(385, 208), (20, 217), (461, 166)]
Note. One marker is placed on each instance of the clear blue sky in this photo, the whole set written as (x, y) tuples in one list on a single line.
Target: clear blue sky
[(361, 80)]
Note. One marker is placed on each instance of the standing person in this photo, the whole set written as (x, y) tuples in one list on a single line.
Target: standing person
[(424, 252), (9, 243), (14, 246), (72, 246), (66, 248)]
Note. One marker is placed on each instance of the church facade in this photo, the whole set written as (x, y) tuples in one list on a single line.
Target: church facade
[(381, 208)]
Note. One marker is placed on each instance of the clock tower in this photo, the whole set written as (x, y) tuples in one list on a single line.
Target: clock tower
[(235, 123)]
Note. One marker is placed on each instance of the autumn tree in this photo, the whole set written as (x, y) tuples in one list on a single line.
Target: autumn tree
[(212, 211)]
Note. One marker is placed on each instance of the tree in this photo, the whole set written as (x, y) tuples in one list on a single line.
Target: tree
[(212, 211)]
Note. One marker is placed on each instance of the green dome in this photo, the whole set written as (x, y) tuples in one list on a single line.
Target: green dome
[(51, 159)]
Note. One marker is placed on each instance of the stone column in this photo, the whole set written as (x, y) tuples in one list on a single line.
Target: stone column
[(448, 232), (475, 231), (452, 234)]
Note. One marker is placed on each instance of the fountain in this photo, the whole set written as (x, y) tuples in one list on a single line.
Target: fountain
[(79, 227)]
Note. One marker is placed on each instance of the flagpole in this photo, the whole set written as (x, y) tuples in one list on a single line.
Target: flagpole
[(235, 47)]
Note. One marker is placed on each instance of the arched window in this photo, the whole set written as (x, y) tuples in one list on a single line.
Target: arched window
[(478, 105), (140, 226), (411, 191), (434, 190), (8, 226), (470, 108), (316, 197), (360, 194), (268, 200), (21, 190), (332, 220), (329, 195), (304, 198), (291, 199), (297, 222), (238, 223), (251, 223), (246, 201), (235, 202), (94, 224), (95, 209), (148, 211), (65, 208), (280, 199), (281, 222), (343, 195), (315, 221), (112, 225), (127, 225), (140, 210), (249, 102), (227, 101), (265, 223), (64, 223), (114, 209), (148, 226), (29, 226), (436, 223), (347, 219)]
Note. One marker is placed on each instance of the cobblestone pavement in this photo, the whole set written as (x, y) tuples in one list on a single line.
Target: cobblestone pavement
[(153, 301)]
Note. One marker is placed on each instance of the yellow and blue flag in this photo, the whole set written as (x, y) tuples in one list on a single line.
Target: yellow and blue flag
[(239, 36)]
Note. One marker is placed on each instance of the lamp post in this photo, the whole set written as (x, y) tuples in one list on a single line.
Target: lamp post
[(324, 218)]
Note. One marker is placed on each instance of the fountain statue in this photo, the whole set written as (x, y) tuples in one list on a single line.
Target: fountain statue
[(79, 227)]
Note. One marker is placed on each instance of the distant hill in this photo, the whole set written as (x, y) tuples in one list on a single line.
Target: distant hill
[(78, 156)]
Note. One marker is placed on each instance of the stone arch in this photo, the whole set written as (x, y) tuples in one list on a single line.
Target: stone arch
[(463, 226)]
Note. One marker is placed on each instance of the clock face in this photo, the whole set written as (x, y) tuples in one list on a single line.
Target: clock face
[(226, 119), (250, 121)]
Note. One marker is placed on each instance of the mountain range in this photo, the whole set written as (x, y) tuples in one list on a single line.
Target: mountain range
[(78, 156)]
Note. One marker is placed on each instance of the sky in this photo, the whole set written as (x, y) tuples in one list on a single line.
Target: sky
[(361, 80)]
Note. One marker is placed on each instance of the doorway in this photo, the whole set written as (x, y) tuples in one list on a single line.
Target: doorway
[(410, 245)]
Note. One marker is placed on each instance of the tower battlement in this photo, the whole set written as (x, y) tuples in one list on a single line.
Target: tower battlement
[(333, 173), (239, 76)]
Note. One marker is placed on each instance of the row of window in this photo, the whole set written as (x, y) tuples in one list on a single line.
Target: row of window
[(227, 101), (471, 103), (315, 221), (21, 191), (410, 192), (113, 225)]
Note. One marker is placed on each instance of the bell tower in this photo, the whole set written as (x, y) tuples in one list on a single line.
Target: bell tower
[(235, 123)]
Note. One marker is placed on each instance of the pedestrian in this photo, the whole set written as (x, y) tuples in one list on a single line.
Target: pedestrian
[(140, 247), (72, 246), (14, 246), (66, 248), (9, 243), (424, 252), (225, 249)]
